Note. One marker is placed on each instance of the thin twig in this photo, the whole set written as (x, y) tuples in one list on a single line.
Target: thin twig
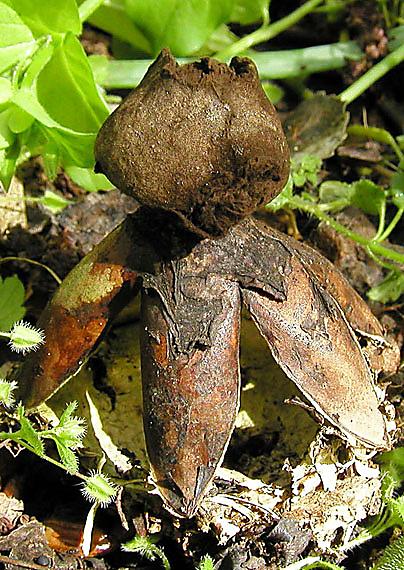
[(32, 262)]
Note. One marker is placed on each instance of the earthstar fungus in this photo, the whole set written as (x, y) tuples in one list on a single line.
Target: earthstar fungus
[(201, 148), (201, 140)]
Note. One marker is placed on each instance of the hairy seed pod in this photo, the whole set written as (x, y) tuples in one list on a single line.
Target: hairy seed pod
[(201, 140)]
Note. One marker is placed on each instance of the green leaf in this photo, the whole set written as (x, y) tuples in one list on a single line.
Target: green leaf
[(48, 16), (396, 37), (68, 435), (67, 455), (206, 563), (66, 89), (273, 91), (393, 556), (7, 389), (98, 488), (368, 196), (28, 434), (332, 190), (398, 199), (11, 302), (25, 337), (6, 136), (220, 39), (27, 100), (38, 61), (88, 179), (70, 429), (6, 90), (19, 120), (15, 37), (54, 202), (51, 160), (8, 161), (393, 464), (249, 11), (305, 169), (390, 289), (67, 414), (72, 147), (144, 546), (397, 506), (182, 25), (397, 189), (113, 18)]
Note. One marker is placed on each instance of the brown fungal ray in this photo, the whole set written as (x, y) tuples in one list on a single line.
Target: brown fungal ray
[(201, 140), (190, 373), (312, 341), (93, 292), (383, 356)]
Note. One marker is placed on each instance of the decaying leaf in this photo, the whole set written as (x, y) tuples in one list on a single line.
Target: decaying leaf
[(12, 206), (29, 543), (11, 510), (317, 127), (120, 461)]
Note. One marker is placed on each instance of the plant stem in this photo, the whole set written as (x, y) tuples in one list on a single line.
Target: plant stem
[(382, 263), (375, 247), (15, 437), (268, 32), (382, 222), (392, 225), (282, 64), (88, 7), (158, 552), (373, 75), (33, 262), (339, 204), (377, 134)]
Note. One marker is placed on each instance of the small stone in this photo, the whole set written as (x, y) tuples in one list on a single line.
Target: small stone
[(42, 560)]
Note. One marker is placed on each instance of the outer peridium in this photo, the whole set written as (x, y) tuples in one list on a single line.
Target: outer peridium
[(191, 382)]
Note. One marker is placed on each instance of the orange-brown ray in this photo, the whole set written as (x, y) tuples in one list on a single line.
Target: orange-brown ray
[(190, 383), (93, 292)]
